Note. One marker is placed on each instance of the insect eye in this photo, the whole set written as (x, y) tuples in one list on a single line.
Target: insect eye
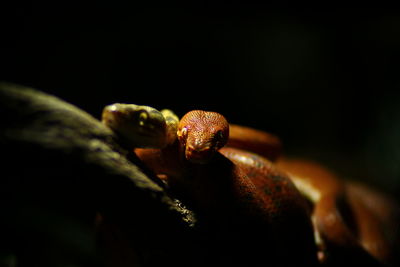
[(143, 116)]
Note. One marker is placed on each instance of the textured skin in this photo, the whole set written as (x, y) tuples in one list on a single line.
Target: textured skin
[(231, 191), (230, 195), (344, 215), (201, 134), (288, 211), (234, 184), (343, 221), (207, 132)]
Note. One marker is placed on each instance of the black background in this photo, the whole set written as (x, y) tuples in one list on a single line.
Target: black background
[(325, 81)]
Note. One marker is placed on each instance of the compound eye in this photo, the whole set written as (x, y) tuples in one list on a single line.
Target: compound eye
[(143, 116)]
